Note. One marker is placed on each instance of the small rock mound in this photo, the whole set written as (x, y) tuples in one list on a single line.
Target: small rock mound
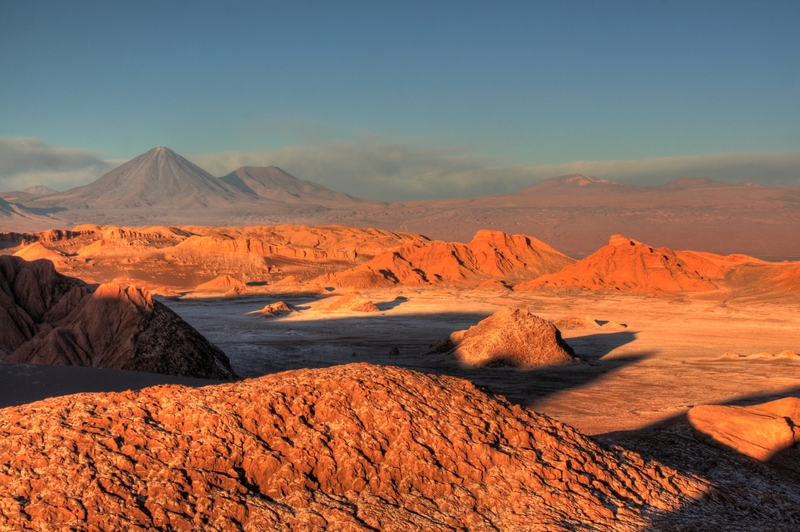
[(786, 354), (759, 431), (513, 337), (37, 251), (288, 280), (224, 284), (576, 322), (356, 447), (353, 302), (274, 309), (493, 285)]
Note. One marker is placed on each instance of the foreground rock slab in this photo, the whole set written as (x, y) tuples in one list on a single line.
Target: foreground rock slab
[(758, 431), (356, 447)]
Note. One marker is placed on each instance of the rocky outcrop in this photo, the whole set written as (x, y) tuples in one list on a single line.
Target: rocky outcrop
[(512, 337), (351, 302), (32, 297), (271, 310), (490, 255), (576, 322), (37, 251), (48, 318), (355, 447), (224, 284), (627, 265), (759, 431)]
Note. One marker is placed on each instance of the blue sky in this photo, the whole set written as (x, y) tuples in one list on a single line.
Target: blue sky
[(476, 85)]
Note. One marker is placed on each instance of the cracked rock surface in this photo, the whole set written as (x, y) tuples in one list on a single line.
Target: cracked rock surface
[(355, 447)]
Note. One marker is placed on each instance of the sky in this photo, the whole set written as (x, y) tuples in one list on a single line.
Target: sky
[(404, 100)]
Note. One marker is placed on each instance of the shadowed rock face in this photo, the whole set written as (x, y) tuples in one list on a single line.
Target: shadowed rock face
[(32, 296), (355, 447), (48, 318), (512, 337)]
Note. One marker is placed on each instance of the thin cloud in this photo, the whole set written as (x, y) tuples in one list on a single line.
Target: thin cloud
[(375, 167), (28, 161), (770, 168), (395, 171)]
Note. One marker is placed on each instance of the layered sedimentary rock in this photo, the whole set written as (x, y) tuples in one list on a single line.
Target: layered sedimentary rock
[(48, 318), (180, 258), (512, 337), (355, 447), (490, 255), (759, 431)]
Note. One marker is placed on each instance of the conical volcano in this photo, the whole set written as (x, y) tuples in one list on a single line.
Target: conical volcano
[(158, 178)]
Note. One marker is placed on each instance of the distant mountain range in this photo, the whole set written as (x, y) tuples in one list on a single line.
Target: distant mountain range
[(575, 213)]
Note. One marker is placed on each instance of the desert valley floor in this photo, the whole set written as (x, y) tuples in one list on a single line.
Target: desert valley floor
[(650, 360)]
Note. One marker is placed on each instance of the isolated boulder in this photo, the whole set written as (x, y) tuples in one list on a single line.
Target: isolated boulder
[(759, 431), (512, 337), (356, 447), (271, 310)]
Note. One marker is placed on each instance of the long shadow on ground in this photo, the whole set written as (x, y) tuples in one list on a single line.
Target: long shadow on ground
[(746, 494), (259, 346)]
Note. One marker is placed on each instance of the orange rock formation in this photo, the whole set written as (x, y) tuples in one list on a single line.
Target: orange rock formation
[(759, 431), (355, 447), (512, 337), (180, 258), (491, 254), (224, 284), (48, 318), (630, 266), (271, 310), (351, 302)]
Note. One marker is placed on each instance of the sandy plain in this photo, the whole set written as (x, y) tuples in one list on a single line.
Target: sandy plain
[(664, 360)]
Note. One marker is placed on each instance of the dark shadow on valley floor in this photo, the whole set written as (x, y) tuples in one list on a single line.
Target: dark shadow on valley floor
[(259, 346), (746, 494)]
